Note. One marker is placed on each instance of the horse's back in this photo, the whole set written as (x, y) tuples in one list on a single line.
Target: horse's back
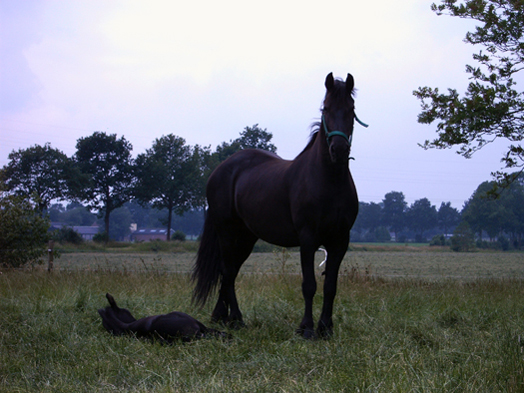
[(246, 160), (252, 187), (245, 168)]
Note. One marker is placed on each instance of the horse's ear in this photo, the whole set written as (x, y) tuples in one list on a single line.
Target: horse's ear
[(350, 84), (330, 81)]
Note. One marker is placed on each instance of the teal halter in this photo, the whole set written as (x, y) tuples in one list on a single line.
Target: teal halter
[(361, 122), (331, 134)]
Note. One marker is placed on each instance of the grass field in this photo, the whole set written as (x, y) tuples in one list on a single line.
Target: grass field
[(418, 321), (424, 263)]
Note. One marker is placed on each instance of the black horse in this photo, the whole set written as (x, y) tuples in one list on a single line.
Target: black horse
[(166, 327), (308, 202)]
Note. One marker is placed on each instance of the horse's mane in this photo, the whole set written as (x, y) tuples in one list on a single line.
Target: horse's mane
[(315, 128)]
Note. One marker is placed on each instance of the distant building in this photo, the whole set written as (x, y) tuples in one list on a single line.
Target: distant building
[(87, 232), (142, 235)]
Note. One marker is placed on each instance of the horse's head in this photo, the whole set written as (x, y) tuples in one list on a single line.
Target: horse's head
[(338, 114)]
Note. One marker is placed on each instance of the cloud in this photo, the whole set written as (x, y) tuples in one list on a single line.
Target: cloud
[(205, 69), (18, 85)]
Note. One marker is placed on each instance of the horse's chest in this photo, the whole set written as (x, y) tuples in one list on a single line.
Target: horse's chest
[(337, 215), (329, 210)]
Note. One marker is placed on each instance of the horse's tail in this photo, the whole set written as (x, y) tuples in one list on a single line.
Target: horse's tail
[(207, 269)]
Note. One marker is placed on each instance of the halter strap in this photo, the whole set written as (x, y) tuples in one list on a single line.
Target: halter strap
[(361, 122), (331, 134)]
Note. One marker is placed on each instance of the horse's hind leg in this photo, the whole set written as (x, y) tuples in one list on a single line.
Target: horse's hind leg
[(236, 247)]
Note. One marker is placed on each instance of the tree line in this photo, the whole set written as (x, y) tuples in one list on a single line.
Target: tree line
[(491, 217), (491, 222), (102, 182), (75, 214), (103, 176)]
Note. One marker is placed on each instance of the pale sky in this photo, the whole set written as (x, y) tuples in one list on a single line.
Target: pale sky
[(204, 70)]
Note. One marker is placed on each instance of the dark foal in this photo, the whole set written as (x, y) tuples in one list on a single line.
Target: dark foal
[(167, 327)]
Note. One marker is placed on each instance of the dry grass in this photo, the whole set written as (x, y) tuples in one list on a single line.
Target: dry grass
[(418, 264)]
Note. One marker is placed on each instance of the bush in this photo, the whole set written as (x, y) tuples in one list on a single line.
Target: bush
[(67, 235), (24, 233), (503, 243), (101, 237), (462, 239), (179, 235), (438, 240)]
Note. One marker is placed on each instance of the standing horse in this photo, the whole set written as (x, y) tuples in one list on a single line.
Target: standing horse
[(308, 202)]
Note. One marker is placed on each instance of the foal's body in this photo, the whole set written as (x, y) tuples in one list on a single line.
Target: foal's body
[(175, 325)]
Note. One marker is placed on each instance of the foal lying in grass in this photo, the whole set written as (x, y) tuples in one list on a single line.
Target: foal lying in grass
[(167, 327)]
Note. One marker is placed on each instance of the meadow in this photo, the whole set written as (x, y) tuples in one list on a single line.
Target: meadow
[(405, 321)]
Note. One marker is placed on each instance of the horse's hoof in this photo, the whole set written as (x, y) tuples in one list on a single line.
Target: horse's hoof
[(219, 319), (235, 324), (325, 334), (306, 333), (325, 330)]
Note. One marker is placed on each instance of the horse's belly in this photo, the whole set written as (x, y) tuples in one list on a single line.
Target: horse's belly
[(267, 218), (287, 239), (271, 225)]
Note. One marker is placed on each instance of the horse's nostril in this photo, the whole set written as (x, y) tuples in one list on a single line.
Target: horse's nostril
[(339, 152)]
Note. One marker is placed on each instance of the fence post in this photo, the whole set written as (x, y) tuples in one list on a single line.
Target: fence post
[(50, 247)]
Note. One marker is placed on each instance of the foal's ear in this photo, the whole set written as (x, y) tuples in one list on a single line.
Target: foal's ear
[(350, 84), (330, 81)]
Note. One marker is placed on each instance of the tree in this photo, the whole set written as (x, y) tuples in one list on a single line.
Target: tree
[(491, 108), (77, 214), (169, 176), (24, 234), (120, 223), (371, 214), (39, 172), (447, 217), (368, 220), (394, 207), (483, 213), (256, 138), (421, 216), (512, 199), (251, 138), (106, 166), (382, 235), (74, 214), (462, 239), (495, 216)]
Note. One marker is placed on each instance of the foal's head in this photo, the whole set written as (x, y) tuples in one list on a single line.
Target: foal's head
[(338, 114)]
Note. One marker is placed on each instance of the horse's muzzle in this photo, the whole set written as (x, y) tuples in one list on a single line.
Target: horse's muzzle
[(339, 152)]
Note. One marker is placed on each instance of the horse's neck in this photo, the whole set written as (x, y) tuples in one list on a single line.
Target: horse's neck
[(318, 160)]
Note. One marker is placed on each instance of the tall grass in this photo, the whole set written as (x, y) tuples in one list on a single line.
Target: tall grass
[(391, 335)]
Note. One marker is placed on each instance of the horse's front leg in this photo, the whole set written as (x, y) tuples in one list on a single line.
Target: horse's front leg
[(334, 259), (309, 287)]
